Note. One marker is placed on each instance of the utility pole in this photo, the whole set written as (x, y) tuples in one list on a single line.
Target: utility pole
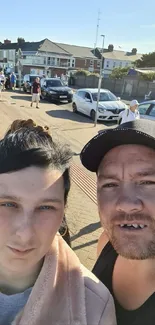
[(19, 57), (100, 80), (97, 29)]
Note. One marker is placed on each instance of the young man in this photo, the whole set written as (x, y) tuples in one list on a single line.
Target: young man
[(124, 161), (130, 114), (36, 91), (41, 279)]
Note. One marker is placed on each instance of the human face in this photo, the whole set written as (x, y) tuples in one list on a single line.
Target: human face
[(126, 197), (31, 211)]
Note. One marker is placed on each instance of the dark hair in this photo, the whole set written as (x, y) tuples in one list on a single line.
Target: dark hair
[(26, 144)]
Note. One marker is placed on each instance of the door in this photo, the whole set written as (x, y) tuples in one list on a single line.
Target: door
[(143, 110), (87, 104), (80, 98), (151, 113)]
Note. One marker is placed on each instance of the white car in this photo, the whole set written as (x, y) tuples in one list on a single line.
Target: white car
[(85, 100)]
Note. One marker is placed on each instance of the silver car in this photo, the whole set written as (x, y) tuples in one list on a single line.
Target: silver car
[(147, 110)]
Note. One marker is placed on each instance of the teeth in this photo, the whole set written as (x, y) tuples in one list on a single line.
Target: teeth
[(122, 225), (135, 225), (141, 226)]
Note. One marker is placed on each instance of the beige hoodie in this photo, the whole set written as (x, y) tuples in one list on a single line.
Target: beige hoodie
[(66, 293)]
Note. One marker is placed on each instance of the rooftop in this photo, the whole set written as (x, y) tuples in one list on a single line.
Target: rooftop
[(121, 55), (78, 51)]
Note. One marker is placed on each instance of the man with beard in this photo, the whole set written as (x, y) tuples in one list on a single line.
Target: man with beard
[(124, 161)]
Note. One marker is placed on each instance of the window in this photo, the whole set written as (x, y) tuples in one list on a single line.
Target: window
[(87, 96), (91, 63), (114, 64), (105, 97), (120, 64), (73, 63), (152, 112), (98, 63), (107, 65), (81, 94), (85, 62), (143, 108), (126, 64)]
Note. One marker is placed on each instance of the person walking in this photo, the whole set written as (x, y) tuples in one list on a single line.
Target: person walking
[(13, 80), (36, 91), (130, 114)]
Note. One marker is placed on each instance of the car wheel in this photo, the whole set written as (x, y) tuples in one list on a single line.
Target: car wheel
[(92, 115), (74, 108)]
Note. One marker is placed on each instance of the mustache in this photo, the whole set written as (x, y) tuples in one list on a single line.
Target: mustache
[(129, 218)]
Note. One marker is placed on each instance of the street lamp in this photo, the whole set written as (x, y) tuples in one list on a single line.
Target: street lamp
[(100, 80)]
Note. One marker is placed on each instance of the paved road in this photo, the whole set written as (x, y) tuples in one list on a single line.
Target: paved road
[(75, 129)]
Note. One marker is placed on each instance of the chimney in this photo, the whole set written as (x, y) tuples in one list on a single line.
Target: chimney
[(134, 51), (110, 47), (6, 41)]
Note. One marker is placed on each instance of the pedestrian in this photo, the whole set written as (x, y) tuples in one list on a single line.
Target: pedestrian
[(2, 80), (130, 114), (41, 279), (13, 80), (36, 91), (123, 159)]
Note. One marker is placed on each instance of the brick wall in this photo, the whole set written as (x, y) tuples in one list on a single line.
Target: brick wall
[(81, 63)]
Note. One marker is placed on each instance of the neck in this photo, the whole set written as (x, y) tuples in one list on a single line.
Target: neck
[(13, 282), (145, 267)]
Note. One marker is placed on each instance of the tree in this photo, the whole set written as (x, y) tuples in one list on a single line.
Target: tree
[(119, 73), (20, 40), (147, 60)]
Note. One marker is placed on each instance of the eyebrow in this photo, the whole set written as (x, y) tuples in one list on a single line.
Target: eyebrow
[(15, 198), (143, 173)]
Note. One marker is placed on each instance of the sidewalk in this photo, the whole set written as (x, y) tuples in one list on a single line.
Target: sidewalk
[(81, 211)]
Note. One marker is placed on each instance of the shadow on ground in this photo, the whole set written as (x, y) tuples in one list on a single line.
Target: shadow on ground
[(28, 98), (67, 115), (85, 245), (87, 230)]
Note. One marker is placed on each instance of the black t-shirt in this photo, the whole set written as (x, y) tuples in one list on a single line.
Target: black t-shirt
[(36, 87), (103, 269)]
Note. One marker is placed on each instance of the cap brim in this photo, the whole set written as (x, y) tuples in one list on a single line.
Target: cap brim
[(97, 147)]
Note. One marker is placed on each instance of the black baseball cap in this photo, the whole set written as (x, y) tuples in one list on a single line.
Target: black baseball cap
[(140, 132)]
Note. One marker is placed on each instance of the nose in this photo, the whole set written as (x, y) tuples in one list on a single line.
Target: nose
[(24, 229), (128, 202)]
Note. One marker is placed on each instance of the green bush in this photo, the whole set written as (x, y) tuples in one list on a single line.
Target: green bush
[(119, 73)]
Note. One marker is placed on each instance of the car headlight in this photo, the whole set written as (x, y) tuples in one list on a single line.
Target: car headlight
[(71, 92), (101, 110), (52, 92)]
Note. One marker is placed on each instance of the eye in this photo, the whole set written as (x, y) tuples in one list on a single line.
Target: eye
[(147, 183), (8, 205), (108, 185), (46, 207)]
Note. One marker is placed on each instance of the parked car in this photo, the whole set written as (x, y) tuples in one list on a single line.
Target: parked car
[(28, 81), (53, 89), (85, 101), (147, 110)]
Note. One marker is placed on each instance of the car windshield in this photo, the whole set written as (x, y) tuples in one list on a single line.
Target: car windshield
[(33, 78), (104, 97), (54, 83)]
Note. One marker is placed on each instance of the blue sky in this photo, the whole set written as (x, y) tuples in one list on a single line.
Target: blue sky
[(125, 23)]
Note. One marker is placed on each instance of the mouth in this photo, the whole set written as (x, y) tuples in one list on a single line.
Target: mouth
[(20, 252), (132, 226)]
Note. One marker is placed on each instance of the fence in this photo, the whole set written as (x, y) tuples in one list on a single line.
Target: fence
[(127, 86)]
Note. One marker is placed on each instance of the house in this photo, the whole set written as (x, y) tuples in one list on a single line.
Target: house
[(83, 57), (116, 59), (44, 57), (47, 57)]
